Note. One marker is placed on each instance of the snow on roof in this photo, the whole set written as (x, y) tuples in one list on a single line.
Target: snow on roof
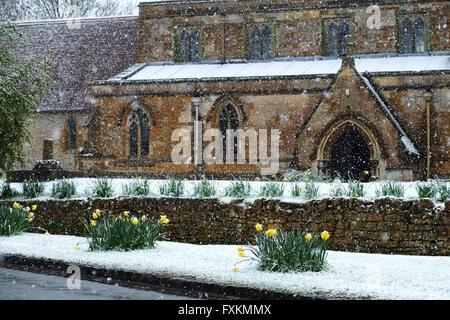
[(204, 71), (412, 63), (283, 68)]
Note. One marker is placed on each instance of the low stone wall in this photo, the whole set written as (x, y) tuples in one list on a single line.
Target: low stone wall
[(384, 225)]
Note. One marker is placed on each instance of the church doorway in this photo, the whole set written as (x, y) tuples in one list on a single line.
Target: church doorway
[(350, 155)]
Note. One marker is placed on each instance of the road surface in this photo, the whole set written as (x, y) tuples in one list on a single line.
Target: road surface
[(20, 285)]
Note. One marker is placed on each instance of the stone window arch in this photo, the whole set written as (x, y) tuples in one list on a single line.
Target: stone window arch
[(187, 44), (336, 34), (72, 134), (412, 33), (138, 133), (261, 42), (419, 35), (228, 120), (407, 36)]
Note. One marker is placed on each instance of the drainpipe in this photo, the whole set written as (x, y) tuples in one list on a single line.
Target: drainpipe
[(223, 38), (428, 98), (198, 131)]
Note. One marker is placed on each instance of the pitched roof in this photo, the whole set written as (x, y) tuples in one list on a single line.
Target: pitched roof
[(388, 111), (94, 49)]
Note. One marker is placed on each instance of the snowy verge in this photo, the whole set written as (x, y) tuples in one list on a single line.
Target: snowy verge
[(84, 189), (350, 275)]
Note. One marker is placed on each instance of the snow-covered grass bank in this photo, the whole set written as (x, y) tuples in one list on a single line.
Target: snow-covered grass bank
[(325, 189), (350, 275)]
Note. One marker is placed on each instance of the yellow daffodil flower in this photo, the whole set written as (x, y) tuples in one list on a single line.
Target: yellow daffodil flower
[(135, 221), (46, 234), (285, 179), (258, 227), (240, 249), (235, 269), (241, 254), (98, 212), (93, 223), (308, 236), (31, 215), (94, 215), (27, 209), (77, 248), (34, 207), (366, 172), (30, 220), (325, 235), (271, 232), (126, 213), (164, 219), (356, 195)]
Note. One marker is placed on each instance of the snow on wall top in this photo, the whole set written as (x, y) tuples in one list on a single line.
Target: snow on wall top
[(281, 68)]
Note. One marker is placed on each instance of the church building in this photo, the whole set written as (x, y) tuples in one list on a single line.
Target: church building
[(356, 89)]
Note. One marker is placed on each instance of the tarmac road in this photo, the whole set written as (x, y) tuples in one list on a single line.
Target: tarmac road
[(21, 285)]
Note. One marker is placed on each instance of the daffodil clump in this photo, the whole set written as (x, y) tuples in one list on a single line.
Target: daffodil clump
[(285, 251), (139, 187), (237, 189), (172, 188), (16, 219), (32, 189), (102, 188), (205, 188), (63, 189), (123, 232), (272, 189)]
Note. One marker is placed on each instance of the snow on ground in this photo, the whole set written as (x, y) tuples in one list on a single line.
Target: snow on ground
[(84, 186), (350, 275)]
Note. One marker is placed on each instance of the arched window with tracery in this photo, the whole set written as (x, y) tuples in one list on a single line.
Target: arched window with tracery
[(139, 133), (228, 120), (412, 34)]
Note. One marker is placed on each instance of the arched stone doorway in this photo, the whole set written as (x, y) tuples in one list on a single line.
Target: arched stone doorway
[(350, 155), (349, 150)]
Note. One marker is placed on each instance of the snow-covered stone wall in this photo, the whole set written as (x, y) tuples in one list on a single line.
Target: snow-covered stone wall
[(386, 225)]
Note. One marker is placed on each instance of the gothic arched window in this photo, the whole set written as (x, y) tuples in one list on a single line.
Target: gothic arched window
[(332, 44), (188, 47), (228, 119), (255, 44), (195, 45), (419, 36), (184, 46), (412, 34), (72, 134), (336, 33), (261, 43), (407, 43), (139, 130), (343, 34), (267, 43)]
